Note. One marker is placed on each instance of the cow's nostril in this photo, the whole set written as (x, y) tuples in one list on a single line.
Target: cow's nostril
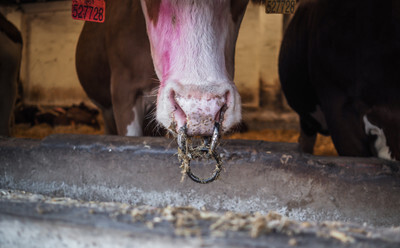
[(219, 117), (199, 114), (178, 113)]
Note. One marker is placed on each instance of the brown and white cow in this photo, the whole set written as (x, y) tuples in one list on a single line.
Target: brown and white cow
[(339, 67), (10, 61), (188, 45)]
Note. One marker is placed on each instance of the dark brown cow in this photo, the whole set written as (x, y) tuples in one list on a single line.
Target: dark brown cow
[(10, 61), (339, 67), (188, 45)]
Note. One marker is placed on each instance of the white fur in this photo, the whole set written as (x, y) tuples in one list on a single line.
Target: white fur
[(136, 126), (381, 147)]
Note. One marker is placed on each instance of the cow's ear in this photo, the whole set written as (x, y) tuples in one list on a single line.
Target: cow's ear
[(238, 7), (153, 8)]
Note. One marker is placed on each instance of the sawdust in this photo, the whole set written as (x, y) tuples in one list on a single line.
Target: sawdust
[(188, 221), (40, 131)]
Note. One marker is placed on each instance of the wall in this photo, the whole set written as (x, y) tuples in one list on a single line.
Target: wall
[(257, 55), (48, 62)]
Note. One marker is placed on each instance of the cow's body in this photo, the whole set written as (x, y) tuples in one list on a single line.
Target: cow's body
[(188, 45), (339, 67), (10, 61), (115, 68)]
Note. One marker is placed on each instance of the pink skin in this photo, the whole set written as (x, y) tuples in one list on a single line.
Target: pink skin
[(189, 42), (163, 43)]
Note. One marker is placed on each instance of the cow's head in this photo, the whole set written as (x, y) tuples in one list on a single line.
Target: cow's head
[(193, 46)]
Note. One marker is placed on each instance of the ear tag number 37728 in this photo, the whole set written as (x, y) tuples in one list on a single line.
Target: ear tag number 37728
[(89, 10), (280, 6)]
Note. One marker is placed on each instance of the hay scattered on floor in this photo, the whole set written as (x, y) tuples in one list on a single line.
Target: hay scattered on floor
[(189, 221), (42, 130)]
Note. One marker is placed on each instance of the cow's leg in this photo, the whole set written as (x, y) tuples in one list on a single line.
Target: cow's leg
[(135, 127), (295, 81), (310, 125), (109, 120), (307, 137), (346, 125), (382, 126), (10, 59), (349, 137), (107, 113), (128, 103), (93, 70)]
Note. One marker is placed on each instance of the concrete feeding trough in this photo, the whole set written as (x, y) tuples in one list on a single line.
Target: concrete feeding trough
[(257, 177)]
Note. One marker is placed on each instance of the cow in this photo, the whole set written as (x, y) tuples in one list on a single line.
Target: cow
[(339, 67), (10, 62), (185, 48)]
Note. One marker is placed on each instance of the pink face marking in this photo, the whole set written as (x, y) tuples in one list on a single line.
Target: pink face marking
[(165, 61), (164, 35)]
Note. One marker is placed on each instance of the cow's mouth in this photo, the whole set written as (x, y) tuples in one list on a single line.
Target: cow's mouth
[(207, 150)]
